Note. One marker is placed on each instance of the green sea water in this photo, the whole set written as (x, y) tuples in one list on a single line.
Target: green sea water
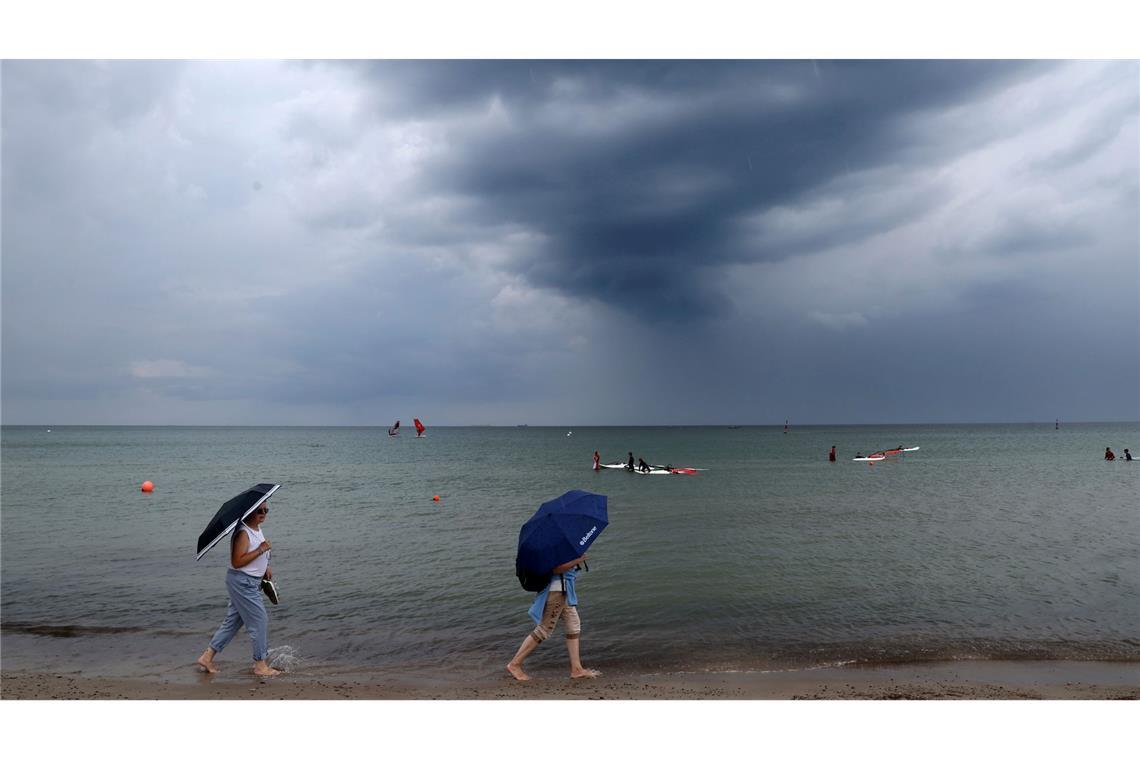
[(991, 541)]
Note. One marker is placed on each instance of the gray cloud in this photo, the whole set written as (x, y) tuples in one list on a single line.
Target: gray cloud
[(590, 241), (637, 213)]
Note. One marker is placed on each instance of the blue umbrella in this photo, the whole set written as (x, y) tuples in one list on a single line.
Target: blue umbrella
[(561, 530)]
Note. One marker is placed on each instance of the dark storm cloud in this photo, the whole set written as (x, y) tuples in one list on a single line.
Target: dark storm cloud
[(590, 241), (642, 215)]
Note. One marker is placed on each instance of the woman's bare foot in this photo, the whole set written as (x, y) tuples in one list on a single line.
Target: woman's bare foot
[(585, 673), (206, 660), (516, 671)]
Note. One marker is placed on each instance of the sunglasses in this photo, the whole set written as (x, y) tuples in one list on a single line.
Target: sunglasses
[(262, 511)]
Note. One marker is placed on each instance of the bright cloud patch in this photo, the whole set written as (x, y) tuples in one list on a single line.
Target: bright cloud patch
[(166, 369)]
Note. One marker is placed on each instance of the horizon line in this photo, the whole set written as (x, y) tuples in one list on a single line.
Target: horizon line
[(583, 426)]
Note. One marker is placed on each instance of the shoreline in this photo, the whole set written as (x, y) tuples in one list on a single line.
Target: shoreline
[(957, 680)]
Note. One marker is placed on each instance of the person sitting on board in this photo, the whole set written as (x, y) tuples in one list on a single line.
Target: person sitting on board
[(642, 466), (1108, 455), (557, 602), (629, 464), (831, 456)]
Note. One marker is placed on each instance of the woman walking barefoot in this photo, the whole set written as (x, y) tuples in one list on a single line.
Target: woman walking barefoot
[(249, 562), (550, 606)]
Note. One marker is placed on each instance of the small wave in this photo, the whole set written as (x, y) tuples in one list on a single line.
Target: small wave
[(66, 631), (287, 659), (70, 631)]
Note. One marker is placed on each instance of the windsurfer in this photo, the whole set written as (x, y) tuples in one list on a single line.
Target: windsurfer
[(629, 464), (641, 465), (597, 460)]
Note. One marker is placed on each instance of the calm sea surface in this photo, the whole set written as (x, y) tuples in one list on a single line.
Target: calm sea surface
[(991, 541)]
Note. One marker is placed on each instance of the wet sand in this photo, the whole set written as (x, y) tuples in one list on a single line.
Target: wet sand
[(961, 680)]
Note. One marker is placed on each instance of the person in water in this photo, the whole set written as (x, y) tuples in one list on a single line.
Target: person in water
[(249, 562), (597, 460), (629, 464), (831, 456), (1108, 455), (641, 465), (1127, 455), (558, 601)]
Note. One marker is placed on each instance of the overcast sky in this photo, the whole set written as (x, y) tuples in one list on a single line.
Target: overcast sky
[(582, 242)]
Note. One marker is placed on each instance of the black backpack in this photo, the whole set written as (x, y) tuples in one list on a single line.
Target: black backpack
[(532, 581), (538, 581)]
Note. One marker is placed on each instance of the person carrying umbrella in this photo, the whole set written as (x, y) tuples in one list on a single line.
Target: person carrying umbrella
[(566, 526), (249, 563)]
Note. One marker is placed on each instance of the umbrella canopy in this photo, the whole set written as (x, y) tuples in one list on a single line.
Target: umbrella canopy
[(561, 530), (232, 512)]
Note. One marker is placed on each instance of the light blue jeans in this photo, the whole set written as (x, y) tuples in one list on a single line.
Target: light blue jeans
[(245, 608)]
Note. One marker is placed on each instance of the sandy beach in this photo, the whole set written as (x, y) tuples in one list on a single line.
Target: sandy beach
[(969, 680)]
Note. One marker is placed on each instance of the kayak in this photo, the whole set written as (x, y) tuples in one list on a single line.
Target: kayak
[(893, 452), (678, 470)]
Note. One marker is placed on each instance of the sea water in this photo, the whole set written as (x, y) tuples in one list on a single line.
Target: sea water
[(991, 541)]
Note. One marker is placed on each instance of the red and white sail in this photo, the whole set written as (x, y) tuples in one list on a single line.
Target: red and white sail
[(419, 427)]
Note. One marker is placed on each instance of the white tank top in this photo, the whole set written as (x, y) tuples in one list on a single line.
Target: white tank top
[(257, 567)]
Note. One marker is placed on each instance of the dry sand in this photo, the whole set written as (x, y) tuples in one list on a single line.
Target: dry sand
[(949, 680)]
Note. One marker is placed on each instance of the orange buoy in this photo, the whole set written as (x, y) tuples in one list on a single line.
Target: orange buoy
[(435, 498), (147, 486)]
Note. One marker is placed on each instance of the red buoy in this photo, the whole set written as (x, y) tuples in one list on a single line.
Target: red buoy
[(435, 498), (147, 486)]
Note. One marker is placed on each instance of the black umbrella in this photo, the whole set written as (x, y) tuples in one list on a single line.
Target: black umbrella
[(232, 512)]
